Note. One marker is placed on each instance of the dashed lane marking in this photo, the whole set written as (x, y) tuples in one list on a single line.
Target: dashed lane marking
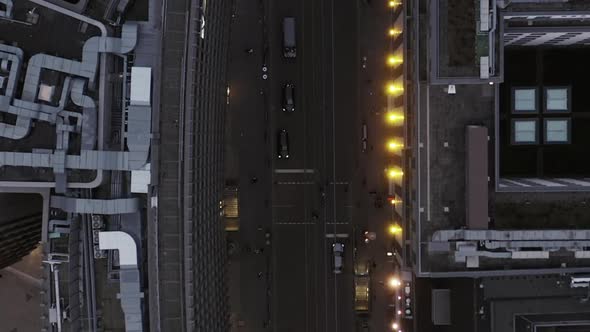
[(294, 170)]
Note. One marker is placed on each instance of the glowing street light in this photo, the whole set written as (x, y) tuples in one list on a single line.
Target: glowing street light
[(394, 282), (394, 173), (394, 201), (394, 146), (394, 326), (393, 117), (394, 32), (395, 89), (393, 60), (394, 3), (395, 229)]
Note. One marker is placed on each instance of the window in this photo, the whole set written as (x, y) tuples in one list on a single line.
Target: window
[(524, 131), (525, 100), (557, 99), (557, 130)]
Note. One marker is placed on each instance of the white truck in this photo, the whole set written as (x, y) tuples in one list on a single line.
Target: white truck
[(289, 37)]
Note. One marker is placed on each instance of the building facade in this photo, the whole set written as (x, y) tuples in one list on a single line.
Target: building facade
[(190, 241)]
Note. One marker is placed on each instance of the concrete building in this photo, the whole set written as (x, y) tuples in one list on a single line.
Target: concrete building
[(187, 277), (496, 182), (57, 119), (130, 195), (20, 226)]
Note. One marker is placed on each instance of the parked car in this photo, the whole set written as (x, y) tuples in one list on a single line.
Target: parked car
[(283, 144), (362, 288)]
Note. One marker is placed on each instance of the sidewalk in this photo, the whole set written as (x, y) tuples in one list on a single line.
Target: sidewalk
[(246, 164), (374, 207)]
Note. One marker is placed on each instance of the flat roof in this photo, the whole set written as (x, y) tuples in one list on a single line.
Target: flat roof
[(141, 86), (445, 118), (561, 134)]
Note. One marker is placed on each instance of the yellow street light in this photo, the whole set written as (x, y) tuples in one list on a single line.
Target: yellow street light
[(394, 201), (394, 326), (394, 173), (394, 145), (394, 3), (395, 229), (394, 117), (395, 89), (394, 282), (394, 32), (393, 60)]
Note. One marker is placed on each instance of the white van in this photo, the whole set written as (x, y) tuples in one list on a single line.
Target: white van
[(338, 251)]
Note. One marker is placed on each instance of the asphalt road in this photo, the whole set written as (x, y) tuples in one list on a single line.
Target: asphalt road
[(249, 160), (291, 286), (307, 295)]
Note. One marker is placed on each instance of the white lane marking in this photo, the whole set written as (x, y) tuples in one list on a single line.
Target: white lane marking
[(546, 183), (337, 235), (428, 151), (574, 181), (309, 223), (301, 222), (516, 183), (294, 170), (344, 183)]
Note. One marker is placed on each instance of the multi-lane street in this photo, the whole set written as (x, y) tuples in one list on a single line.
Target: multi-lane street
[(311, 197), (324, 192)]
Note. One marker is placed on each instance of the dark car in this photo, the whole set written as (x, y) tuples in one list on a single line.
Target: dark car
[(288, 98), (283, 144)]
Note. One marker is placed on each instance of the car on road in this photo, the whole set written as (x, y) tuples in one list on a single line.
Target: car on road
[(289, 39), (338, 251), (289, 98), (283, 144), (362, 288)]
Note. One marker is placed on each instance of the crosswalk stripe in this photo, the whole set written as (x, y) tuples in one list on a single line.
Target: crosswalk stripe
[(298, 222), (295, 182)]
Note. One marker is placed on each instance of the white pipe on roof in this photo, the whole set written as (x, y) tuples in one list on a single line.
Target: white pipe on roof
[(121, 241), (98, 24)]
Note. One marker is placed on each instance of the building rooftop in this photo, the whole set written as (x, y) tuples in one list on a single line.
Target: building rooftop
[(542, 71), (536, 123), (516, 303)]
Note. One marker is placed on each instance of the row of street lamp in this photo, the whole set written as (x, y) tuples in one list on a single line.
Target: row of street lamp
[(394, 117)]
